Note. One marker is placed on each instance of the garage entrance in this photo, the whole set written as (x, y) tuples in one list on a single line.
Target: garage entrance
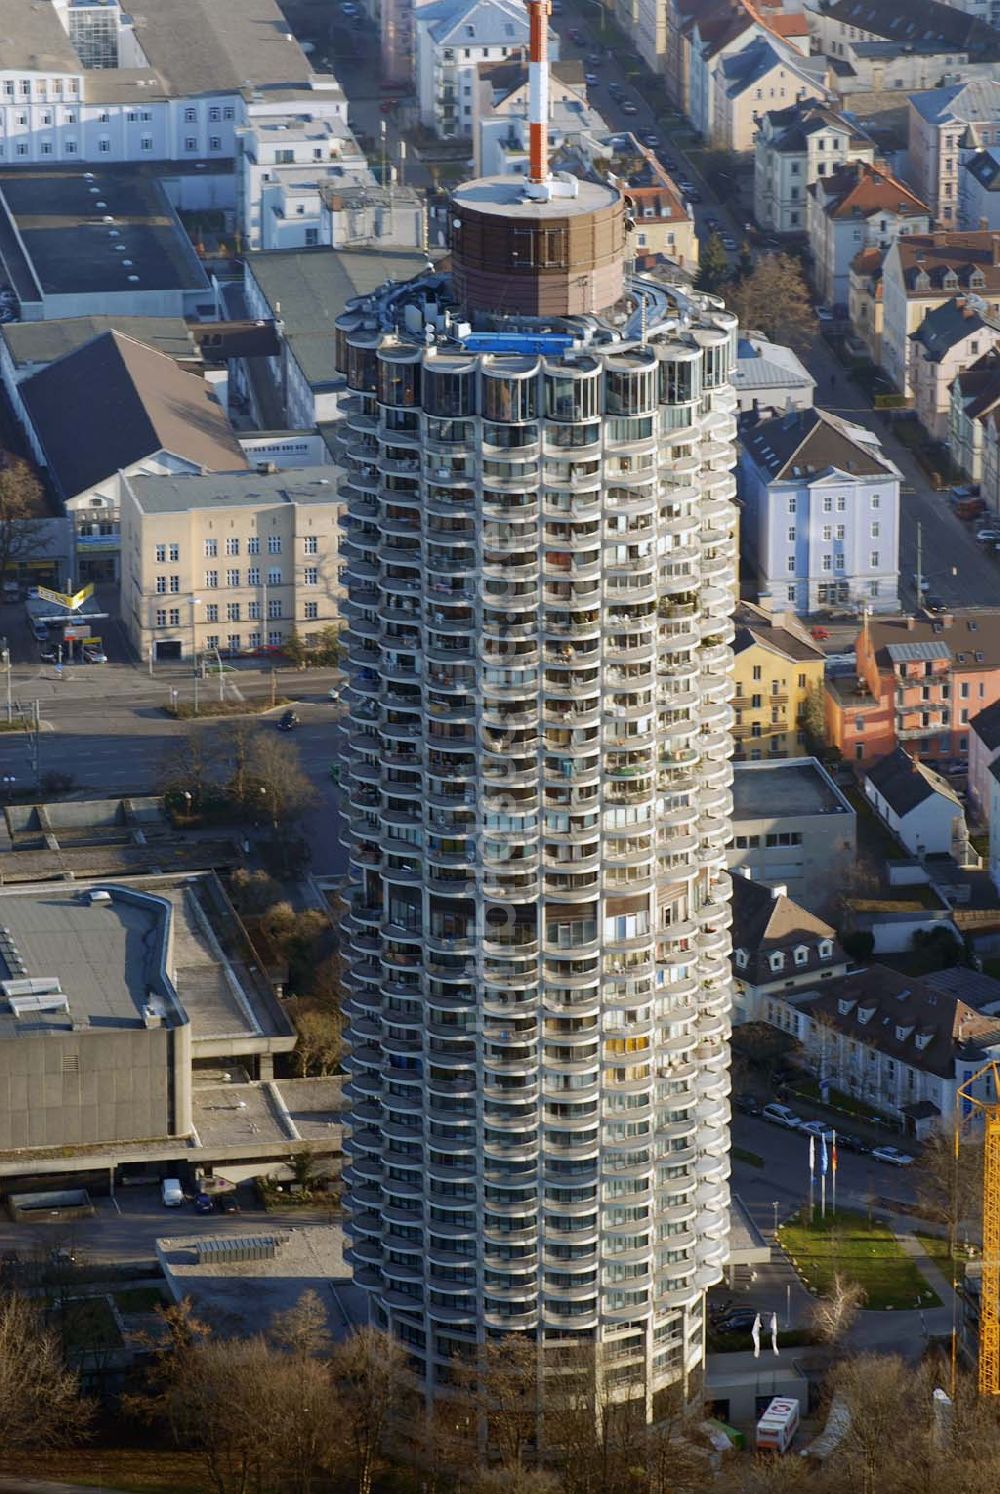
[(168, 648)]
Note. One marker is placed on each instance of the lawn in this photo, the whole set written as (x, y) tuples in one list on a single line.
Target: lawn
[(936, 1247), (139, 1299), (866, 1253), (140, 1470)]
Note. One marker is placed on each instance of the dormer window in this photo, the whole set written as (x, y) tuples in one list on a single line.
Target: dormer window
[(825, 949), (844, 1006), (950, 280), (801, 955), (865, 1013), (742, 959), (922, 284), (923, 1038), (977, 280), (902, 1033), (777, 961)]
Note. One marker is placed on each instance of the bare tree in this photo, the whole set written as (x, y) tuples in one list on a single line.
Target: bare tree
[(950, 1181), (834, 1314), (303, 1329), (367, 1368), (320, 1045), (190, 766), (22, 513), (774, 299), (883, 1395), (40, 1401), (501, 1387), (274, 785)]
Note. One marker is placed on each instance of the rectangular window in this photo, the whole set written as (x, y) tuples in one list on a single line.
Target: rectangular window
[(253, 640), (161, 554), (253, 545), (232, 547), (873, 560), (211, 549), (233, 643), (174, 552), (273, 608), (190, 115), (212, 612), (312, 611), (791, 535), (212, 641), (312, 544), (253, 611), (274, 576), (175, 617), (211, 578), (232, 578), (827, 533), (161, 584), (310, 575), (175, 583), (253, 576), (215, 142), (828, 504), (161, 618), (275, 638), (232, 612), (827, 563), (274, 544)]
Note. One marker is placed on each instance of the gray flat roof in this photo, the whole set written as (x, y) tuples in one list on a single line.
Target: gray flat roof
[(220, 46), (313, 286), (506, 195), (88, 232), (99, 954), (795, 786), (164, 495), (44, 342)]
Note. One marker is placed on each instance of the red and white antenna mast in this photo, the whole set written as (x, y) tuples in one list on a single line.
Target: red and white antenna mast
[(538, 92)]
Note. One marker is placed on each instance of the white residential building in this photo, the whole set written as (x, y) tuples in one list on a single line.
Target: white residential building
[(793, 149), (820, 513), (520, 767), (919, 806), (500, 114), (453, 37), (770, 378), (778, 946), (979, 187), (283, 164), (897, 1042), (947, 126), (984, 749), (857, 207)]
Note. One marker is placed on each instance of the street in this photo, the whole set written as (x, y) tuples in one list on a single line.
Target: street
[(105, 725)]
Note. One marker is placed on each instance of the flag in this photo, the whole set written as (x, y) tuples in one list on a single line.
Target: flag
[(774, 1331), (833, 1154), (755, 1335), (812, 1158), (822, 1154)]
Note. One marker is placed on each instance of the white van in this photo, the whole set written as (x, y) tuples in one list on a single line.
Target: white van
[(172, 1193), (778, 1425)]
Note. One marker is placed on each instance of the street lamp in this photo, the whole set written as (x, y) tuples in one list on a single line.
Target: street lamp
[(774, 1206), (195, 602)]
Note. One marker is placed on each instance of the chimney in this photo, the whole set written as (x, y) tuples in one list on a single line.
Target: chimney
[(984, 224), (911, 623)]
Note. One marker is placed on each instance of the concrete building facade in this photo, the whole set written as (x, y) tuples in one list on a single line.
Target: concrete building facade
[(792, 828)]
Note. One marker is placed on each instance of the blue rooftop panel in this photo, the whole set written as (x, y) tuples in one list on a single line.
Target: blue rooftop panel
[(517, 342)]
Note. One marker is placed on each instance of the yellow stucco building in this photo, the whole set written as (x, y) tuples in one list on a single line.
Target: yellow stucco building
[(777, 665)]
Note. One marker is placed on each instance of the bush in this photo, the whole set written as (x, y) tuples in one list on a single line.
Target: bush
[(858, 943)]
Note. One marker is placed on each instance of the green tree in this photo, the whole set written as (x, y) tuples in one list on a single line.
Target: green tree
[(713, 268), (295, 650), (812, 718)]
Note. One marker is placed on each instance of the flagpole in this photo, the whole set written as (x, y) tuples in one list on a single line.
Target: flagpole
[(823, 1164), (833, 1178), (822, 1195), (812, 1177)]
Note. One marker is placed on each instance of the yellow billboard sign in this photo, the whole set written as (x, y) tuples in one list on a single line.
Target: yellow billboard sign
[(72, 603)]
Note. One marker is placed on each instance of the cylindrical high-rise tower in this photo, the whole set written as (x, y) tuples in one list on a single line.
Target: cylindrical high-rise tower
[(541, 567)]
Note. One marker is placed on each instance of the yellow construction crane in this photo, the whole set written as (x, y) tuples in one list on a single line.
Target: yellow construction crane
[(988, 1103)]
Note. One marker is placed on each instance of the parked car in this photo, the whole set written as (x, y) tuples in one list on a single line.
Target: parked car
[(651, 140), (591, 79), (629, 108), (728, 242), (576, 36), (203, 1204), (819, 634), (333, 695), (891, 1155), (94, 655), (824, 313), (740, 1320), (818, 1129), (48, 654), (288, 722), (989, 534), (228, 1204), (781, 1115), (594, 59), (748, 1105), (852, 1143), (172, 1193)]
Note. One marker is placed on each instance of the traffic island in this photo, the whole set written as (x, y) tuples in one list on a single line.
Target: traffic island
[(859, 1250)]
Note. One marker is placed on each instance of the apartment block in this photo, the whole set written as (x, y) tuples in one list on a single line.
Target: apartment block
[(859, 206), (231, 563), (777, 667), (794, 147), (946, 126), (920, 273)]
